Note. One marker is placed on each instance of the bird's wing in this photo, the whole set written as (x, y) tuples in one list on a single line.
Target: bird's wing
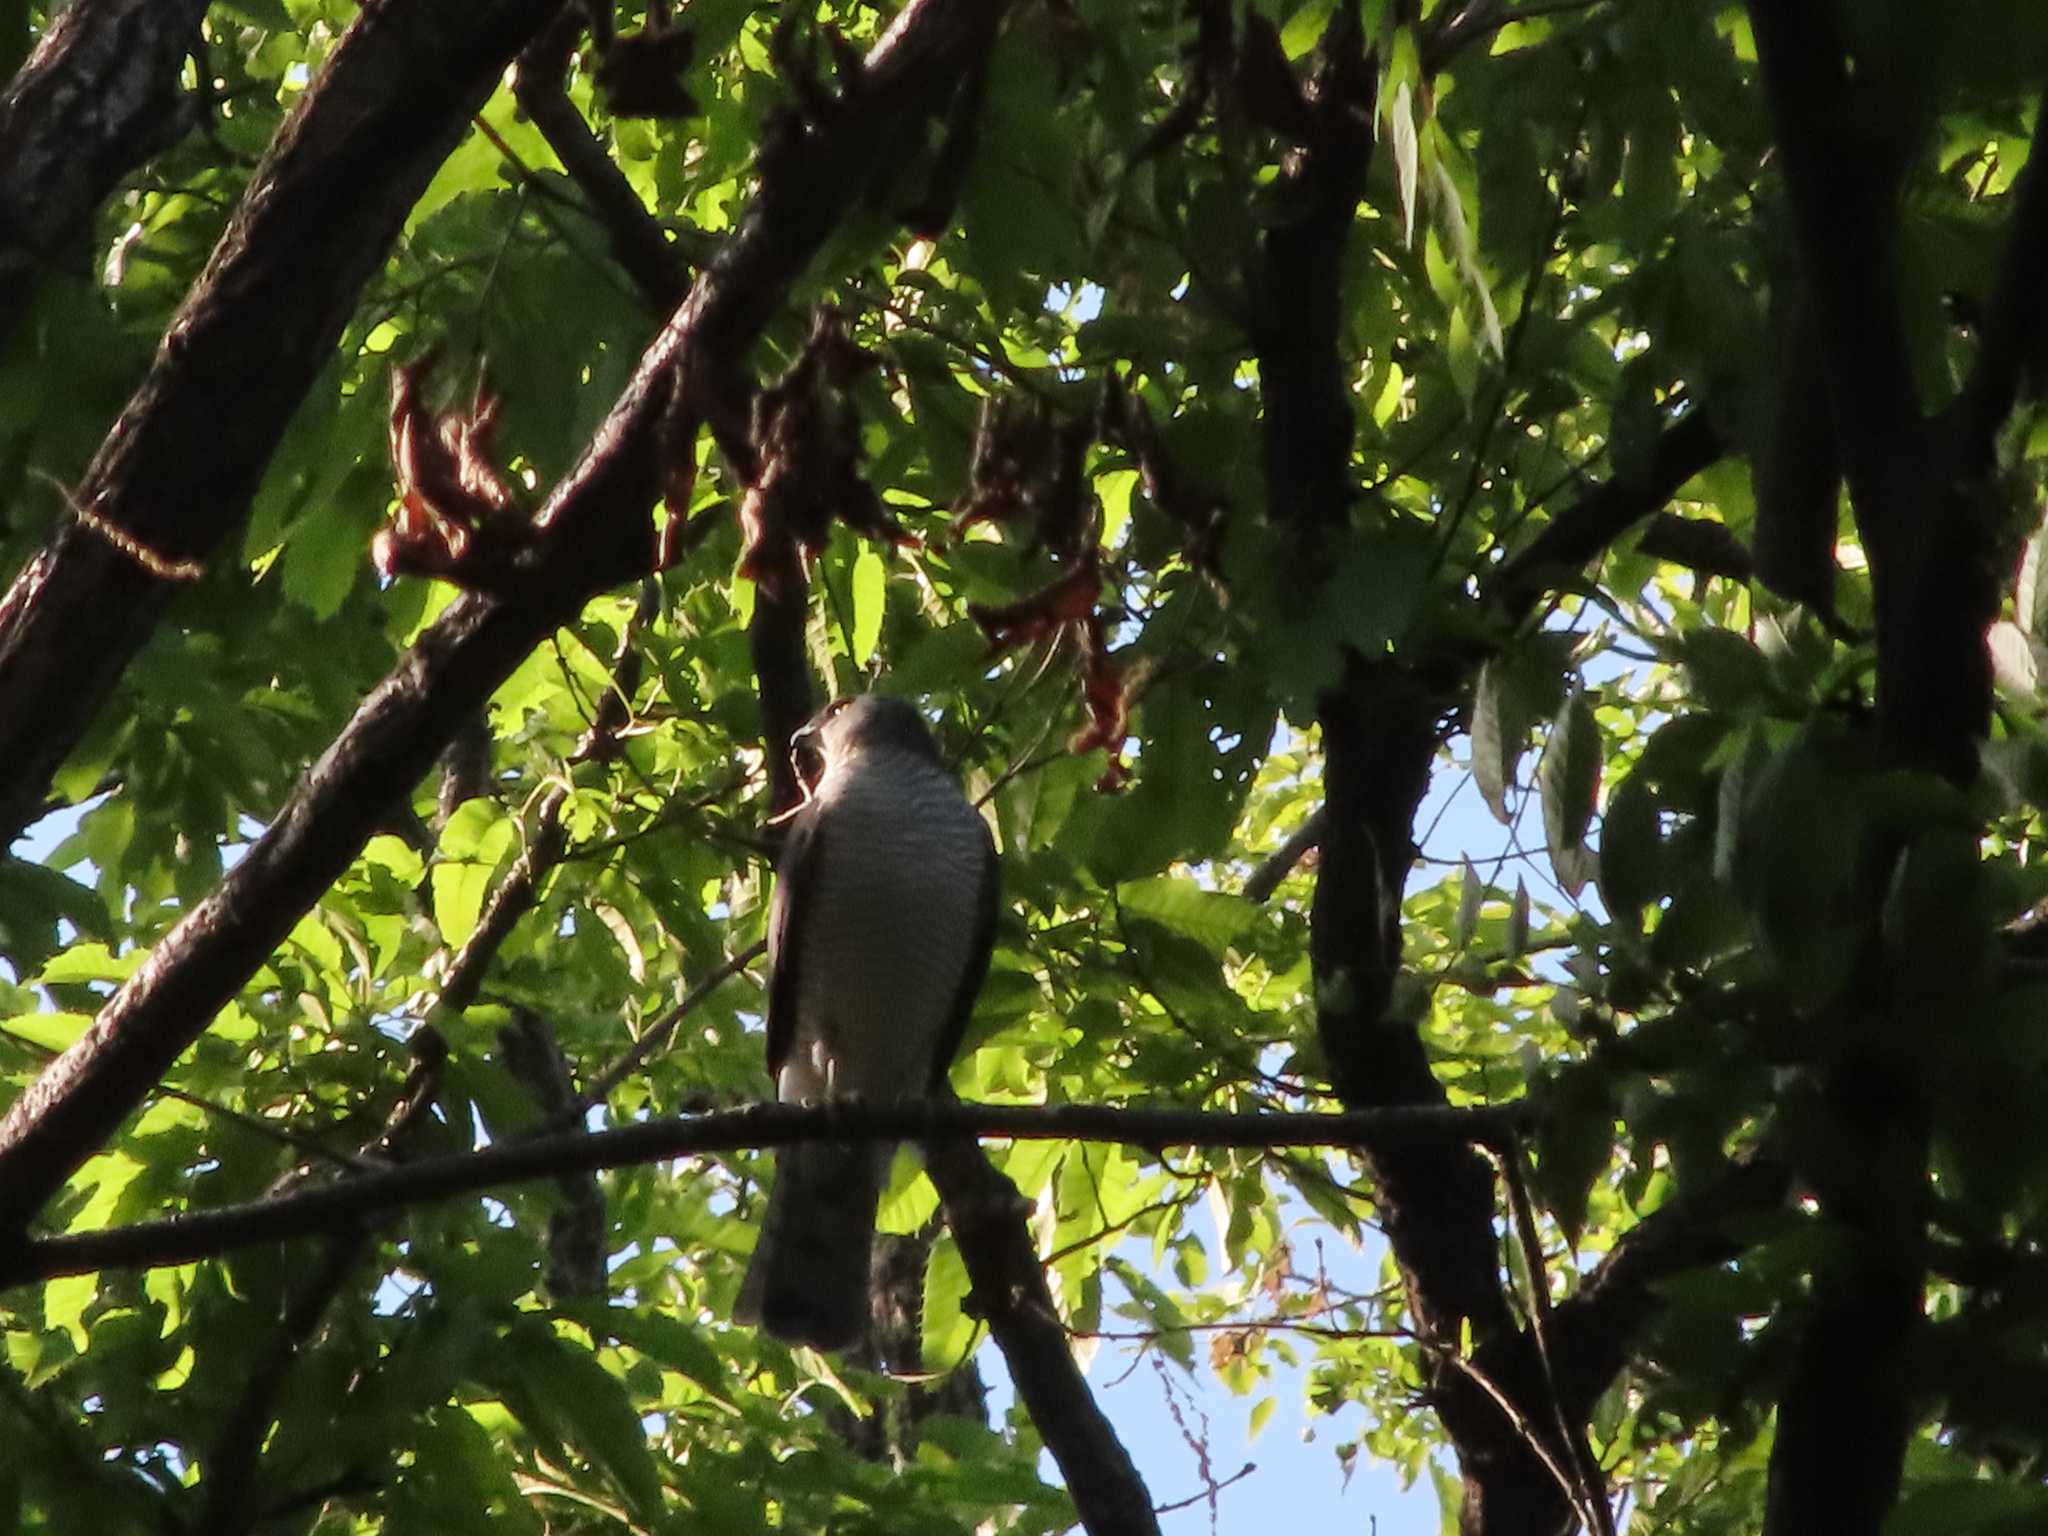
[(795, 879), (975, 969)]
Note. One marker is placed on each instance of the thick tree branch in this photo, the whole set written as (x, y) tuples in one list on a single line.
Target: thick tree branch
[(592, 533), (2014, 348), (174, 476), (642, 251), (1298, 298), (1583, 530), (1928, 522), (1931, 526), (309, 1212), (1436, 1197), (782, 678), (987, 1217), (1596, 1327), (97, 98), (1841, 163), (1276, 866)]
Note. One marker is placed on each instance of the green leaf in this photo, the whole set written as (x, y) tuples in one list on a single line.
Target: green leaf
[(1568, 780), (1213, 919), (590, 1407), (947, 1331), (1937, 920), (1497, 738), (870, 591), (1402, 142), (1574, 1142), (1631, 849), (1972, 1508), (1471, 895), (1726, 671), (1261, 1414)]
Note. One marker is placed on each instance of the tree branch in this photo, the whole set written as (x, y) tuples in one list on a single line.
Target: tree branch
[(1584, 529), (202, 1234), (1276, 866), (174, 476), (1845, 131), (516, 894), (638, 244), (1596, 1326), (97, 98), (987, 1217), (1926, 520), (1841, 162), (593, 533), (1298, 300), (2015, 330)]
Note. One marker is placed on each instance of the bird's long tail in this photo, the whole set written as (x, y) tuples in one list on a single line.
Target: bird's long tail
[(808, 1281)]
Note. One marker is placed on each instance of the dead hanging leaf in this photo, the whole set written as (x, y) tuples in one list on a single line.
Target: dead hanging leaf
[(806, 453), (1107, 701), (1028, 465), (1043, 614), (1071, 604), (458, 518)]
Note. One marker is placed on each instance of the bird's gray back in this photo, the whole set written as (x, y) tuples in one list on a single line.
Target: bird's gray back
[(891, 919)]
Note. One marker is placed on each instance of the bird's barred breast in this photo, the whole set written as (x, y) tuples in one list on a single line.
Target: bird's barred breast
[(890, 921)]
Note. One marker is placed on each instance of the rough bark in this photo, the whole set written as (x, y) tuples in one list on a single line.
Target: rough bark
[(987, 1217), (97, 98), (1932, 520), (175, 474), (593, 533), (557, 1154), (1436, 1201)]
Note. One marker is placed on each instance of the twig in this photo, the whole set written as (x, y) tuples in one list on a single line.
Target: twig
[(269, 1130), (1515, 1417), (637, 241), (602, 1085), (1585, 1492), (1208, 1494), (1276, 866)]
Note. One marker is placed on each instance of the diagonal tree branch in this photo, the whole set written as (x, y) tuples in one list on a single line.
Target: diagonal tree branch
[(97, 98), (1583, 530), (637, 241), (987, 1217), (174, 476), (1596, 1326), (592, 533)]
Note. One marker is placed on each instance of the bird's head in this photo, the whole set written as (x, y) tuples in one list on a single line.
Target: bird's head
[(858, 724)]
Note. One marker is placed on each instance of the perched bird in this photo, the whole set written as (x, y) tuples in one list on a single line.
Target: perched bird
[(878, 938)]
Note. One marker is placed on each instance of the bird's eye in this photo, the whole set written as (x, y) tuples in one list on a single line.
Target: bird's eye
[(809, 758)]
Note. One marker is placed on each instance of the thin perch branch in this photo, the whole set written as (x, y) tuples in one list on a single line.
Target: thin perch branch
[(202, 1234)]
